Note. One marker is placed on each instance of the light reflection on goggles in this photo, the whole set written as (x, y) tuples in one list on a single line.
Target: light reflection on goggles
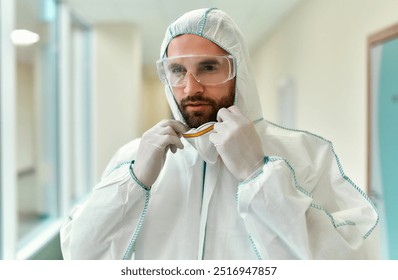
[(206, 69)]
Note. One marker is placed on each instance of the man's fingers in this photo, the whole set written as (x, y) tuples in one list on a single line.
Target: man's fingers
[(225, 114), (168, 141), (222, 114), (234, 110), (177, 126), (173, 149)]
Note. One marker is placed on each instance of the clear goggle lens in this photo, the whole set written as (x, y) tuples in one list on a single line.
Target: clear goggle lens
[(206, 69)]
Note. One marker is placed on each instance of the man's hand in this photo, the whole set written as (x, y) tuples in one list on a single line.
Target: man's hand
[(237, 142), (153, 148)]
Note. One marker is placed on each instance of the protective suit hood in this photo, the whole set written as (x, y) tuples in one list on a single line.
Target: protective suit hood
[(218, 27)]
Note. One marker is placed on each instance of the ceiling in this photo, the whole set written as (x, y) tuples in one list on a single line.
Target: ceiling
[(254, 17)]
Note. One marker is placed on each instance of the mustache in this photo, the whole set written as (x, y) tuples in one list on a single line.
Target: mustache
[(188, 99)]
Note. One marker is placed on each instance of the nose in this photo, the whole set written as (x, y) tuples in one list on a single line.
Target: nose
[(192, 85)]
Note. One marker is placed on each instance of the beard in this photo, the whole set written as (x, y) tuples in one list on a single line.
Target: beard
[(194, 119)]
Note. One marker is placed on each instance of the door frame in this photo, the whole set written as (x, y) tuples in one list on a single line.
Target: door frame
[(375, 39)]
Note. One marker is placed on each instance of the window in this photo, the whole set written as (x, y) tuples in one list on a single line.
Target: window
[(7, 160), (37, 106), (81, 112), (48, 99)]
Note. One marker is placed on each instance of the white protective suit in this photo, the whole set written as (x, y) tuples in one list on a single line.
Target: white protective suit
[(300, 206)]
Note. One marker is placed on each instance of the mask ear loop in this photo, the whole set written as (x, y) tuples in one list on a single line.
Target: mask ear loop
[(199, 133)]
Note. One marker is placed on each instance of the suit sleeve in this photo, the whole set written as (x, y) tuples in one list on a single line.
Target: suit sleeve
[(311, 212), (104, 226)]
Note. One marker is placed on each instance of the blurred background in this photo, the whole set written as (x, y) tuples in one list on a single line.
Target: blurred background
[(78, 80)]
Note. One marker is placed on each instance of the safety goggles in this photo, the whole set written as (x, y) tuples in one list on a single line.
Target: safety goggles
[(209, 70)]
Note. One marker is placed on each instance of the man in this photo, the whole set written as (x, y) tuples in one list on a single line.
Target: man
[(218, 181)]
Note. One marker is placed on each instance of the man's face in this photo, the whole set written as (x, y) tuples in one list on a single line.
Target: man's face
[(199, 103)]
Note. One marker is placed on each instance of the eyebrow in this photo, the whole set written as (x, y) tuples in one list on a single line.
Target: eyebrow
[(209, 61), (173, 65)]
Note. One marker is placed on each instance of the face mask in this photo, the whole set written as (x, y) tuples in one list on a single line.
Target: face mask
[(199, 138)]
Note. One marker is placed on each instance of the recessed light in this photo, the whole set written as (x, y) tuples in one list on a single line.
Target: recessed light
[(24, 37)]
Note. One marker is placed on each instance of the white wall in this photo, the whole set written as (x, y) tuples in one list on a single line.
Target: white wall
[(154, 102), (25, 117), (322, 46), (117, 90)]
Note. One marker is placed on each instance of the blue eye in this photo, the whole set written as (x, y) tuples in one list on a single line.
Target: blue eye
[(209, 68), (177, 70)]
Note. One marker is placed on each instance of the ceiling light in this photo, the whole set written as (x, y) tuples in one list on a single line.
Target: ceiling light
[(24, 37)]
